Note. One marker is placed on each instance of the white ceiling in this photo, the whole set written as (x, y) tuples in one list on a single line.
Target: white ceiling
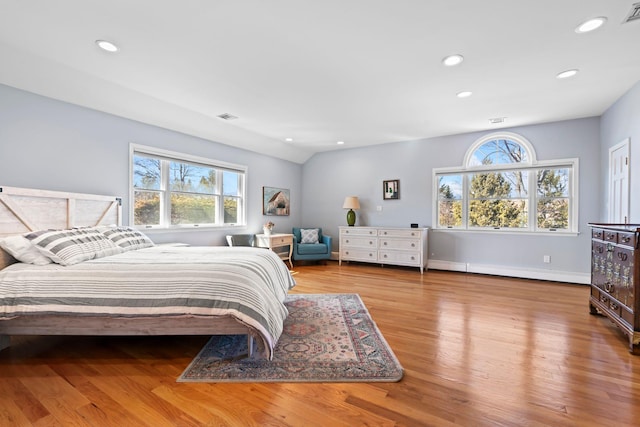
[(319, 71)]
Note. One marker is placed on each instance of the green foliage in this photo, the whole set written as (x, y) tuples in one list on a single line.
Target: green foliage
[(449, 209), (146, 208), (553, 205), (192, 209), (230, 210), (490, 205)]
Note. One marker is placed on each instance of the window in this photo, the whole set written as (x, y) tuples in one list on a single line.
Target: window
[(501, 187), (172, 190)]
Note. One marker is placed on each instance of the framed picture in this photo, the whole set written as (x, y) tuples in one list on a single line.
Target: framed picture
[(275, 201), (391, 189)]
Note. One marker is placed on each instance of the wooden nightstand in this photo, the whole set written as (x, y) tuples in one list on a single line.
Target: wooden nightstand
[(277, 240)]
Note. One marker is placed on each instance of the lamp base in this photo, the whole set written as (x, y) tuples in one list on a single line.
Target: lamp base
[(351, 218)]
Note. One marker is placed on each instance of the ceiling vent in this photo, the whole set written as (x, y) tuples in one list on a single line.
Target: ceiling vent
[(497, 120), (634, 13), (227, 116)]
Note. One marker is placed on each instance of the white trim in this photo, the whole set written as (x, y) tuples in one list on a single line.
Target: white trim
[(187, 157), (500, 135), (508, 271)]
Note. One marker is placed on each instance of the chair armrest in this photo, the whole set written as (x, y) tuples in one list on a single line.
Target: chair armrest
[(327, 241)]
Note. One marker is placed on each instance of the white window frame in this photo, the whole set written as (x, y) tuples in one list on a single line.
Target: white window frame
[(532, 165), (165, 214)]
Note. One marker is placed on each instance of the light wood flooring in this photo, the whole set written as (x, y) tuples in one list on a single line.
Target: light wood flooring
[(477, 351)]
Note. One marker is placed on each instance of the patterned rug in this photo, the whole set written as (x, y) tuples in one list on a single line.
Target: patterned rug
[(326, 338)]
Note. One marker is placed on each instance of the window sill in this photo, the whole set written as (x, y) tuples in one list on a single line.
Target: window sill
[(510, 232), (154, 230)]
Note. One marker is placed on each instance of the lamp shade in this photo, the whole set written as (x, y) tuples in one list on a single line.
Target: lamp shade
[(351, 202)]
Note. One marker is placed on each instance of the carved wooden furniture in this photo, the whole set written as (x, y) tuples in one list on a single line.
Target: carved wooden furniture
[(385, 245), (615, 264)]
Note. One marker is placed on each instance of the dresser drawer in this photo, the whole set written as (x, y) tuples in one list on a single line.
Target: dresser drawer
[(627, 239), (359, 242), (357, 254), (411, 258), (359, 231), (401, 244), (597, 233), (610, 236), (395, 232)]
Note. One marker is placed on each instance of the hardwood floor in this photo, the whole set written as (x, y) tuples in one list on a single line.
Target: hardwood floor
[(477, 350)]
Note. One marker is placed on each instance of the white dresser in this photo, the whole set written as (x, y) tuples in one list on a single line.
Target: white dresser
[(384, 245)]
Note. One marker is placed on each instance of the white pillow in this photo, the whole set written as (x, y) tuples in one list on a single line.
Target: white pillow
[(68, 247), (309, 235), (23, 250)]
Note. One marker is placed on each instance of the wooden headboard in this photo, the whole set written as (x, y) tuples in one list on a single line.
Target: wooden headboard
[(23, 210)]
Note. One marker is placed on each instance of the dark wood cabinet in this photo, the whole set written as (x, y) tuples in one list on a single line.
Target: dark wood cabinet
[(615, 271)]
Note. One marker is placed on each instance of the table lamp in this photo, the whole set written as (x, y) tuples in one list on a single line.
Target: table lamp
[(351, 203)]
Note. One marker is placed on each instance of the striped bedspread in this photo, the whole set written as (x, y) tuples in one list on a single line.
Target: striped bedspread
[(249, 284)]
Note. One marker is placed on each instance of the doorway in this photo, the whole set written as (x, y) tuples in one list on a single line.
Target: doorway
[(619, 183)]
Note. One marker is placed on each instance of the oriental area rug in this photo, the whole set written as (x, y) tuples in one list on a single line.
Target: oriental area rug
[(326, 338)]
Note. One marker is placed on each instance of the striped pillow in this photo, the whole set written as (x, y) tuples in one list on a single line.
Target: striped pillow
[(68, 247), (127, 238)]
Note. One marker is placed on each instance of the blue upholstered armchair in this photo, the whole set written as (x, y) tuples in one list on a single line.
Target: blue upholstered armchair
[(310, 244)]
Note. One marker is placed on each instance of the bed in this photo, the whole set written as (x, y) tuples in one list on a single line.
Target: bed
[(145, 290)]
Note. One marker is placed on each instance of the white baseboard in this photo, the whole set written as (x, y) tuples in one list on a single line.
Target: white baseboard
[(524, 273)]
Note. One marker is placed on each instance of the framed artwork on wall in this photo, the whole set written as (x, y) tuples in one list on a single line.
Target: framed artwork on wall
[(391, 189), (275, 201)]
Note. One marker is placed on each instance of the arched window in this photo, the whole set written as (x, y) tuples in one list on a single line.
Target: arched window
[(502, 187)]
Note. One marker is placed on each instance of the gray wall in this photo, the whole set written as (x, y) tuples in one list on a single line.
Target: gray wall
[(52, 145), (621, 121), (329, 177)]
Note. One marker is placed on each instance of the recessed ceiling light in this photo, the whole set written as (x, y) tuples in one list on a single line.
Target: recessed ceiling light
[(591, 24), (497, 120), (289, 139), (340, 142), (452, 60), (464, 94), (106, 45), (567, 74)]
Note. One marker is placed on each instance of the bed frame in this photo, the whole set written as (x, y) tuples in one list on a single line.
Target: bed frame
[(23, 210)]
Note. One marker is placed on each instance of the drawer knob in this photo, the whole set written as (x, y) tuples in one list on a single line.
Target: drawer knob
[(385, 243), (622, 256), (413, 245), (385, 255)]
